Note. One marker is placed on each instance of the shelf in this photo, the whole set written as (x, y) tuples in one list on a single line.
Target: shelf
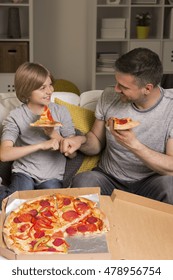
[(14, 39), (158, 39)]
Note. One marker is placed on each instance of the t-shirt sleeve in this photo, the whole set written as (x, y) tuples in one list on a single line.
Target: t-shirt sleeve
[(104, 102), (62, 114), (10, 129)]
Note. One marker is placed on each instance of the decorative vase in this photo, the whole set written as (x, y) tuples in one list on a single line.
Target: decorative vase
[(142, 32), (14, 30)]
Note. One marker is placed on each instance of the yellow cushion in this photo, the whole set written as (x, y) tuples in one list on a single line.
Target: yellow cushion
[(66, 86), (83, 120)]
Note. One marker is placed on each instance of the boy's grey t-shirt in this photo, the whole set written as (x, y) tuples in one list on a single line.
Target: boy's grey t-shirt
[(40, 165), (156, 127)]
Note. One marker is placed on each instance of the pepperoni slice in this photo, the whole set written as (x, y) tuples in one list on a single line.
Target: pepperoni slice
[(45, 203), (70, 215), (26, 217), (82, 228), (81, 207), (58, 242), (66, 201), (71, 230), (51, 249), (91, 220), (16, 220), (33, 212), (91, 227)]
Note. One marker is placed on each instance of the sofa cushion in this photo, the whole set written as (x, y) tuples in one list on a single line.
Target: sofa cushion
[(69, 97), (89, 99), (8, 101), (83, 120), (65, 85)]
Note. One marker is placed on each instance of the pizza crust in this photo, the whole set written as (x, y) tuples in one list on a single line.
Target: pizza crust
[(36, 124)]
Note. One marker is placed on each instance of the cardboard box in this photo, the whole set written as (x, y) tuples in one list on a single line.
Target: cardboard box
[(140, 228), (113, 23), (108, 33), (4, 251)]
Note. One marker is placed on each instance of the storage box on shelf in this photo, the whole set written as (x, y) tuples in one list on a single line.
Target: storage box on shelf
[(16, 37)]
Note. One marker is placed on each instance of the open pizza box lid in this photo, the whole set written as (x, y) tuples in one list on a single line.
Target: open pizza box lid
[(141, 228), (5, 252)]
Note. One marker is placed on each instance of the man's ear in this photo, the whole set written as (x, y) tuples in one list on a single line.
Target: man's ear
[(148, 88)]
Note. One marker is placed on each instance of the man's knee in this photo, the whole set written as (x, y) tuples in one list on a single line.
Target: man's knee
[(163, 189), (167, 189)]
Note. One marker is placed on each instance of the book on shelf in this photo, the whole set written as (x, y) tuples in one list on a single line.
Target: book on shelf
[(105, 55), (106, 62), (105, 69)]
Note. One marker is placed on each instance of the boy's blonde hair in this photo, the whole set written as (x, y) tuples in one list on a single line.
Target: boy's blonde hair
[(29, 77)]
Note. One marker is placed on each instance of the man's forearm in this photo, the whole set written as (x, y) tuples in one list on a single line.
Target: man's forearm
[(90, 145), (160, 163)]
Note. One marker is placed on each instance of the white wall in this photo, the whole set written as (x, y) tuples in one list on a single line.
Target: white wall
[(60, 38)]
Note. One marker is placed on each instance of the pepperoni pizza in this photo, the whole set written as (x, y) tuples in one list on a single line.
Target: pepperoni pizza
[(43, 223)]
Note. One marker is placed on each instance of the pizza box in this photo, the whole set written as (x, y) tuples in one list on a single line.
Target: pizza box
[(5, 252), (141, 228)]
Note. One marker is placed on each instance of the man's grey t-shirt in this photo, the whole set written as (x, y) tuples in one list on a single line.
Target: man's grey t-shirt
[(156, 127), (40, 165)]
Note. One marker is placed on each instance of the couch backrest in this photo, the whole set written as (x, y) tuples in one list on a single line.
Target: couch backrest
[(8, 101), (88, 100)]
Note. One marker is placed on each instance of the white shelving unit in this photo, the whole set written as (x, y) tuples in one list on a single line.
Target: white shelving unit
[(160, 40), (14, 50)]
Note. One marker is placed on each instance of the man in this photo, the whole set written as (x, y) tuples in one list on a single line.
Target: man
[(138, 160)]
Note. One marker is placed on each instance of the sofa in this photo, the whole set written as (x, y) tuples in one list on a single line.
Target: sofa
[(81, 109)]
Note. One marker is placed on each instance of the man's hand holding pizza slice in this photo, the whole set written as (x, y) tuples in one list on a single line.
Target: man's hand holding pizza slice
[(123, 124), (121, 129)]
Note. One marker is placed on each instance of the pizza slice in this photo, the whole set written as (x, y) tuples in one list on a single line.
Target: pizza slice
[(46, 119), (94, 223), (72, 209), (54, 243), (124, 123)]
